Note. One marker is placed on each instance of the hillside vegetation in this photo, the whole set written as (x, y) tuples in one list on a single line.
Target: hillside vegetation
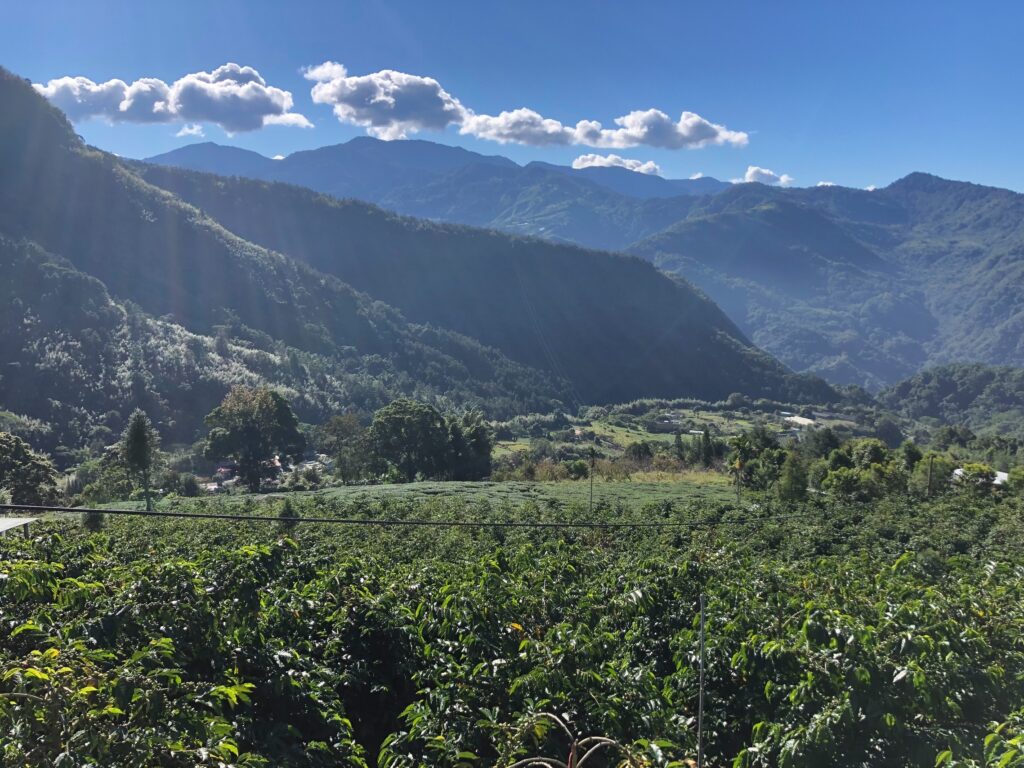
[(861, 287), (837, 634), (986, 399), (608, 324), (133, 296), (922, 272)]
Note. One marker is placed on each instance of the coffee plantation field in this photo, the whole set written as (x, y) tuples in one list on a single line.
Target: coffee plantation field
[(889, 634)]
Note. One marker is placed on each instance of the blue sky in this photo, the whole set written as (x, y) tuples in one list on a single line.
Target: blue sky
[(854, 93)]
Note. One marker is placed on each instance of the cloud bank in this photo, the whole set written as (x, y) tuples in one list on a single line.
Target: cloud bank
[(764, 176), (234, 97), (392, 105), (614, 161)]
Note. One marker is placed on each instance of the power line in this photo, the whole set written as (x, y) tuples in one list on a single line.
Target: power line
[(393, 522)]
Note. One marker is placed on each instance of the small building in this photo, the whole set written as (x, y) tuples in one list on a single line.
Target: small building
[(1002, 478), (799, 421)]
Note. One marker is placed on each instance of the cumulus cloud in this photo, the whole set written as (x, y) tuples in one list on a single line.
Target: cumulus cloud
[(388, 104), (614, 161), (825, 184), (80, 98), (695, 176), (391, 105), (764, 176), (190, 129), (234, 97), (518, 126), (277, 157), (870, 188), (654, 128)]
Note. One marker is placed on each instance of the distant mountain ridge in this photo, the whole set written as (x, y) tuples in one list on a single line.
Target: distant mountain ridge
[(862, 287), (551, 306), (605, 208), (940, 281), (125, 293)]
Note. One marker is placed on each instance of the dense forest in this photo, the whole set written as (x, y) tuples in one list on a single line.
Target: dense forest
[(985, 399)]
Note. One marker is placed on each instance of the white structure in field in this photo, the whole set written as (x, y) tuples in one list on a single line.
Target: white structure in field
[(1002, 478)]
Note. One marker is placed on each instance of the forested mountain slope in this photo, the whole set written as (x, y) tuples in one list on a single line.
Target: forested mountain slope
[(86, 230), (610, 324), (987, 399), (922, 272), (76, 362), (864, 287)]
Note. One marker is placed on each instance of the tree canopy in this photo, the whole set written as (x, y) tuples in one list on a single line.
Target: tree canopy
[(252, 426), (29, 476), (140, 445)]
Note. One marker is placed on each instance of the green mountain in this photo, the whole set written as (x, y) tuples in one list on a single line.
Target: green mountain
[(606, 208), (611, 325), (987, 399), (802, 286), (860, 286), (128, 293)]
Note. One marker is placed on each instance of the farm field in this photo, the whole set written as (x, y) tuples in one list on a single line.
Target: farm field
[(641, 489), (837, 634)]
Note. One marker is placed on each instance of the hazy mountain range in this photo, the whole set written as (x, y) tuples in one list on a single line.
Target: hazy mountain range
[(140, 285), (863, 287)]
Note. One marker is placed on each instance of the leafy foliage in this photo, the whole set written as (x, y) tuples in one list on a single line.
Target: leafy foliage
[(27, 476), (985, 399), (139, 448), (883, 634), (253, 426)]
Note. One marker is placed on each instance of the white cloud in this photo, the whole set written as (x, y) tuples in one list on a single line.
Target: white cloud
[(870, 187), (695, 176), (277, 157), (520, 126), (234, 97), (391, 105), (147, 100), (190, 129), (654, 128), (614, 161), (764, 176), (388, 104), (825, 184), (329, 70), (80, 98)]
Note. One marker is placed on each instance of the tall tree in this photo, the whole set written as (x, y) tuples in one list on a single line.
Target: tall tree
[(140, 445), (252, 426), (344, 438), (707, 449), (412, 436), (469, 446), (28, 476), (792, 484)]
